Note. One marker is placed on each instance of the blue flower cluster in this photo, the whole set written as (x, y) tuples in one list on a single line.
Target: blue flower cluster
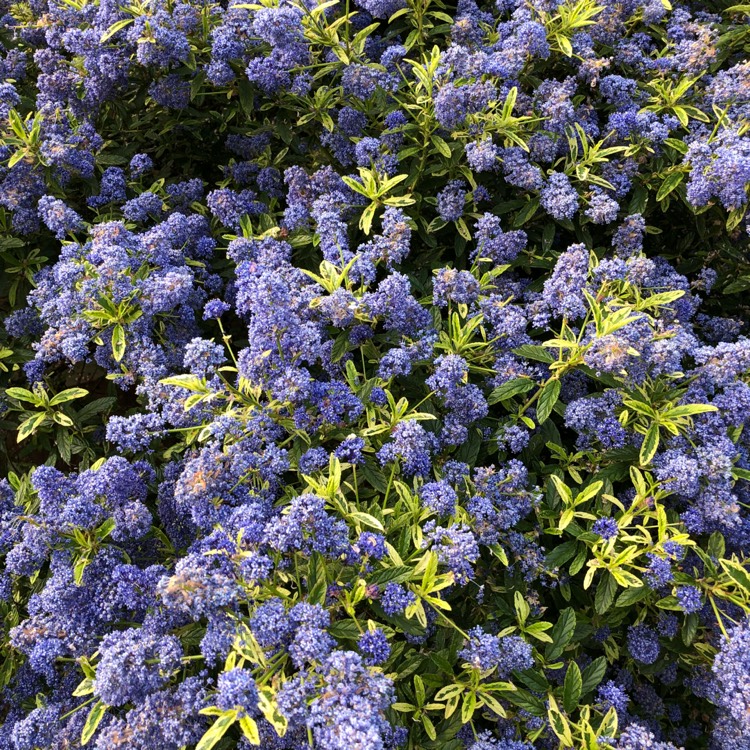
[(374, 375)]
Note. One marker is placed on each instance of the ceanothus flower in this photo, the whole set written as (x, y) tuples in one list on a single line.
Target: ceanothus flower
[(134, 663), (606, 528), (559, 199), (643, 644), (689, 598), (374, 646)]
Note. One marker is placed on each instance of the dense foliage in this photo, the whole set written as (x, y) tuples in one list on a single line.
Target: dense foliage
[(374, 374)]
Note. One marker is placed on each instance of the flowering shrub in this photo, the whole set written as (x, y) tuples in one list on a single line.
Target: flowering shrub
[(374, 375)]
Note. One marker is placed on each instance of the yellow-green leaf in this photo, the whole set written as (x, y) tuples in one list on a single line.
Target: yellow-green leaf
[(216, 731), (96, 714), (650, 444)]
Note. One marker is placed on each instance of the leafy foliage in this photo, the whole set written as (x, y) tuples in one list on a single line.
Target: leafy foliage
[(373, 375)]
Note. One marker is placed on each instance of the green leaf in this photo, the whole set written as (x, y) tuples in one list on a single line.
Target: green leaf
[(650, 444), (442, 663), (741, 284), (690, 628), (250, 730), (716, 545), (118, 342), (28, 426), (632, 595), (669, 602), (442, 147), (316, 580), (562, 633), (547, 400), (593, 674), (562, 489), (96, 714), (677, 144), (468, 706), (68, 395), (526, 213), (21, 394), (737, 572), (114, 28), (605, 593), (561, 554), (532, 351), (367, 520), (216, 731), (670, 183), (398, 574), (187, 381), (572, 687), (510, 389), (340, 345), (95, 407), (527, 701), (344, 630), (522, 608), (534, 681), (736, 215), (687, 410)]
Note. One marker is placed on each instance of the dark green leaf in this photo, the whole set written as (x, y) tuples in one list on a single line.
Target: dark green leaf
[(632, 595), (317, 583), (398, 573), (537, 353), (510, 389), (562, 633), (561, 554), (533, 680), (572, 687), (526, 701), (689, 629), (526, 213), (593, 674), (547, 400), (345, 629), (605, 593)]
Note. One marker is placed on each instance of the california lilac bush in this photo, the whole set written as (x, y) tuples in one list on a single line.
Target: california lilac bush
[(374, 375)]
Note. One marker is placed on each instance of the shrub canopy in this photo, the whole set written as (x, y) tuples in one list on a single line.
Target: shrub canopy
[(374, 375)]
